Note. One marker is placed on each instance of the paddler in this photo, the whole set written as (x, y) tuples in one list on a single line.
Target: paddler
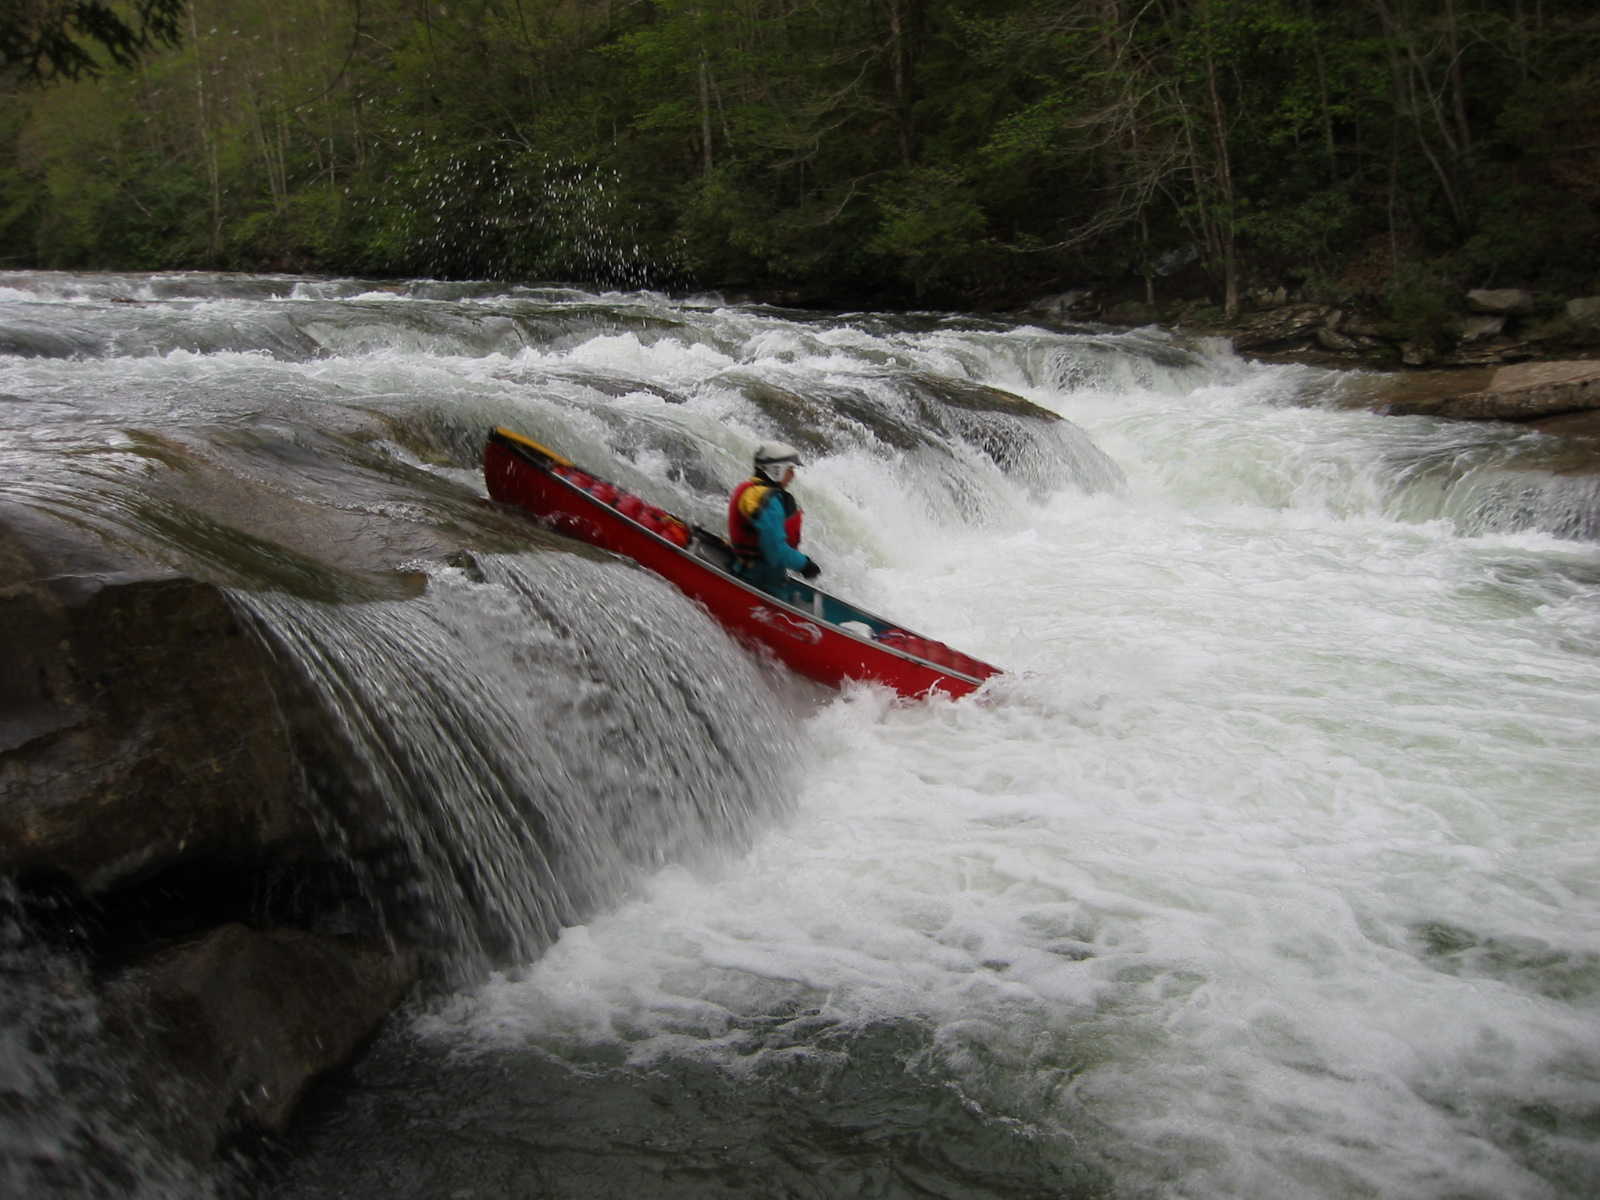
[(764, 522)]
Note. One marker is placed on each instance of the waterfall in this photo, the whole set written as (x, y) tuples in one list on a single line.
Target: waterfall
[(525, 739)]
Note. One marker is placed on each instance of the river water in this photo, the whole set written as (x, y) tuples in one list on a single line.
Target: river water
[(1268, 869)]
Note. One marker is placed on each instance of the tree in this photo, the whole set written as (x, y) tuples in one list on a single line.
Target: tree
[(45, 40), (951, 152)]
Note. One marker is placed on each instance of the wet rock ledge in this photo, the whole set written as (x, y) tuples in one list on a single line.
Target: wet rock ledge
[(1559, 396), (157, 831)]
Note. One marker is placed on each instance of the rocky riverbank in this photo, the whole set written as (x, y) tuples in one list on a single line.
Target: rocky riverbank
[(1484, 327), (1502, 355)]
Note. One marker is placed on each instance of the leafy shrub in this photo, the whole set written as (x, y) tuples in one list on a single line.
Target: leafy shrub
[(1421, 304)]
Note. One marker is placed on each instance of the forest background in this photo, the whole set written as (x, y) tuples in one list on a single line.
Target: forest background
[(967, 154)]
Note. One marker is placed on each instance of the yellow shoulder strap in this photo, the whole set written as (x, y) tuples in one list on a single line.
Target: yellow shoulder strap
[(752, 498)]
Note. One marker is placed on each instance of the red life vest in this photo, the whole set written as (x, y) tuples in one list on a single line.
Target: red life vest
[(742, 533)]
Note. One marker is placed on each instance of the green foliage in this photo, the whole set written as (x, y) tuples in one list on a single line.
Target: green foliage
[(1538, 186), (43, 40), (141, 213), (1421, 304), (307, 229), (1301, 234), (1532, 232), (927, 151), (724, 232), (929, 224), (91, 190), (500, 211)]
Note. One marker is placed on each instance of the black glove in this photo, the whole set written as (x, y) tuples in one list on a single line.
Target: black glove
[(811, 570)]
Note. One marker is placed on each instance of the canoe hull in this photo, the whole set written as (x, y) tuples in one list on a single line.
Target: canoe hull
[(517, 472)]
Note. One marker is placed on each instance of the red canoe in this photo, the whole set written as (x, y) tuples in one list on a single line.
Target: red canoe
[(815, 634)]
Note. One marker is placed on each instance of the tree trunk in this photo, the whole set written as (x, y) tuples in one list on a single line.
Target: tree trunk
[(1329, 145), (904, 17), (1458, 100), (707, 162), (1222, 218), (1422, 105), (208, 145)]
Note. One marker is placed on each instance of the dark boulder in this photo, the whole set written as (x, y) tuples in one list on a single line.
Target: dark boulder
[(157, 821), (230, 1028), (137, 719)]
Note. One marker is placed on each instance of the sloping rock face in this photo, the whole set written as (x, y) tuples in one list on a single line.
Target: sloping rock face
[(184, 832), (155, 822), (1522, 392), (136, 722)]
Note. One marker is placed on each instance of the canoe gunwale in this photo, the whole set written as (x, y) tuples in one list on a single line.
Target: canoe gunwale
[(581, 505)]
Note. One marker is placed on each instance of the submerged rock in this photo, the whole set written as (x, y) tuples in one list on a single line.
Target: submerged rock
[(233, 1026)]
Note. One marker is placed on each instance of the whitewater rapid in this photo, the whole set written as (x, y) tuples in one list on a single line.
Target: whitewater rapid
[(1268, 869)]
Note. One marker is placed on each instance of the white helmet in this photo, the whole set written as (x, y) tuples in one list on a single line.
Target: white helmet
[(777, 456)]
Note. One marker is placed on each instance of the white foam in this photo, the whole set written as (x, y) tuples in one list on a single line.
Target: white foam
[(1259, 738), (1273, 851)]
